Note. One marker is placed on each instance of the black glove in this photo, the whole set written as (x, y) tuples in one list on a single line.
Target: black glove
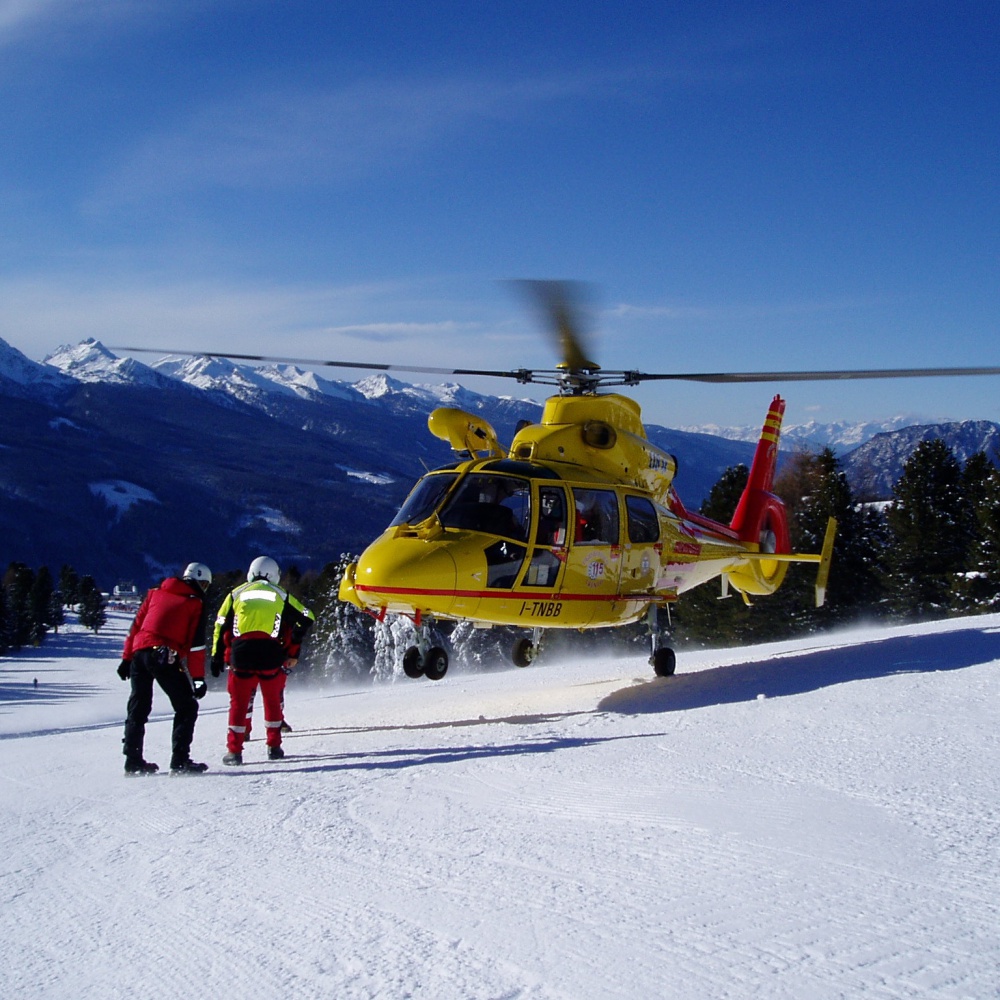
[(200, 688), (125, 669), (218, 665)]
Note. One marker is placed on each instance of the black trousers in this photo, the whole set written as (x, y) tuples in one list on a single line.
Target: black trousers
[(150, 665)]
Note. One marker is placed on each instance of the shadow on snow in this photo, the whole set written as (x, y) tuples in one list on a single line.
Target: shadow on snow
[(398, 759), (797, 673), (41, 675)]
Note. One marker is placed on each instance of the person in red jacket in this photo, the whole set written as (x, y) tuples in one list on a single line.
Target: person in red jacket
[(166, 643)]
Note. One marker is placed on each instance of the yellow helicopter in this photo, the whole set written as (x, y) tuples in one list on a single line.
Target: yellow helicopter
[(577, 524)]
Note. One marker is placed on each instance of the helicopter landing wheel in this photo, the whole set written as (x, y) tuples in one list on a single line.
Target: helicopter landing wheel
[(523, 652), (413, 663), (435, 664), (664, 662)]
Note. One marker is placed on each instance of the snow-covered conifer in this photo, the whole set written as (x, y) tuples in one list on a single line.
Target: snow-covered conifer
[(931, 529)]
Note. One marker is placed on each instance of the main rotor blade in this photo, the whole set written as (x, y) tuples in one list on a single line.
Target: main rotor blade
[(519, 373), (560, 304), (622, 377), (827, 376)]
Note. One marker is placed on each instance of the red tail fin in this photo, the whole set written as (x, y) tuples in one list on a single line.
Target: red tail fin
[(760, 519), (757, 495)]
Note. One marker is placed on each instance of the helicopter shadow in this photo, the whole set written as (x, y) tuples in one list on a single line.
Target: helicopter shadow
[(799, 673)]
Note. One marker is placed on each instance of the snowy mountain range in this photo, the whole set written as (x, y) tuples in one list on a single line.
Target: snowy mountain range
[(874, 467), (840, 435), (873, 453), (127, 470)]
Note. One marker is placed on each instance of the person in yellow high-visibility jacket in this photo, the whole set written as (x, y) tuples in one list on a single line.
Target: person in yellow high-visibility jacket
[(258, 633)]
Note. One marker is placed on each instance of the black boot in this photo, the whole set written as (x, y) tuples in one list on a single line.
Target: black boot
[(187, 766), (136, 765)]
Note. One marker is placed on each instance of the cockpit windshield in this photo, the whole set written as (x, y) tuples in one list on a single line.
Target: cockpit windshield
[(423, 499), (497, 505)]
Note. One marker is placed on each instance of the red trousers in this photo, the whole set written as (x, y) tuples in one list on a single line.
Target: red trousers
[(284, 680), (241, 695)]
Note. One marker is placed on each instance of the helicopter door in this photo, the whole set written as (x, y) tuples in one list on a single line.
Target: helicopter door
[(594, 563), (549, 551)]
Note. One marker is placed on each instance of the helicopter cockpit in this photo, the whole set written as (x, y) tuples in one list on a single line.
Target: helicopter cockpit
[(494, 498), (492, 504), (496, 505)]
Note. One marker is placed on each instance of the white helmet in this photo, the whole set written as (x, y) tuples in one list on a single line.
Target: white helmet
[(198, 573), (264, 568)]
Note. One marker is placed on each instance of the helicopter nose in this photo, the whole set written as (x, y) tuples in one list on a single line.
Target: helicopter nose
[(406, 575)]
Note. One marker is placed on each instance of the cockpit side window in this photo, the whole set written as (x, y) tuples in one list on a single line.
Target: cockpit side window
[(551, 516), (423, 499), (496, 505), (596, 516)]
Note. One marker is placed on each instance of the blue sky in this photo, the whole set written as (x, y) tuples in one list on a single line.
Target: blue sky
[(744, 186)]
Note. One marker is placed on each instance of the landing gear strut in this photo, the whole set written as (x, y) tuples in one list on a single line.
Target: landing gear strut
[(662, 658), (423, 659)]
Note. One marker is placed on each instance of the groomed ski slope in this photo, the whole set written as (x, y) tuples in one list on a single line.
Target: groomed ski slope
[(811, 819)]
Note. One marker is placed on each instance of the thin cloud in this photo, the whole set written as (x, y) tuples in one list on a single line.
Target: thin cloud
[(738, 310), (291, 137), (20, 19), (387, 333), (19, 15)]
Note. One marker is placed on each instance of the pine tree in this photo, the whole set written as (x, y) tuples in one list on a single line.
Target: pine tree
[(977, 588), (854, 585), (69, 584), (931, 527), (39, 600), (720, 504), (479, 648), (18, 581), (393, 636), (56, 615), (93, 611), (4, 633)]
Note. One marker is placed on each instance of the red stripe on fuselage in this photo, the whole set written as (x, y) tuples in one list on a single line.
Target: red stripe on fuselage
[(517, 595)]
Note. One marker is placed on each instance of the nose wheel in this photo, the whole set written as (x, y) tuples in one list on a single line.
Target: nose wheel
[(413, 663), (425, 660)]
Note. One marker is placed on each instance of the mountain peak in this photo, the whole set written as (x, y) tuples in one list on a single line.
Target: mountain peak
[(379, 385), (19, 369), (91, 361)]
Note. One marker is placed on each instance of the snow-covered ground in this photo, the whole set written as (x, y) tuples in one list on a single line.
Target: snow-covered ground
[(813, 819)]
